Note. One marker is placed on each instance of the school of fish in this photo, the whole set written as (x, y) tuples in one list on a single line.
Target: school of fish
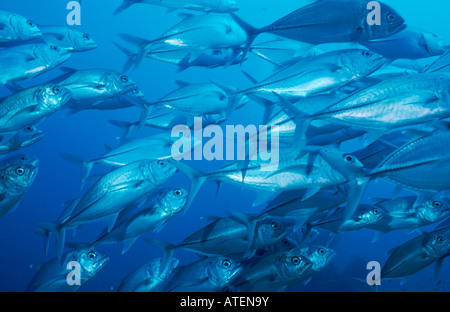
[(386, 88)]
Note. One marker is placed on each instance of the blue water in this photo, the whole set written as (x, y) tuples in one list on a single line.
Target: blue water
[(86, 133)]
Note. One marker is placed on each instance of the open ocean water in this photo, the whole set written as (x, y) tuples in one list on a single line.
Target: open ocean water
[(87, 132)]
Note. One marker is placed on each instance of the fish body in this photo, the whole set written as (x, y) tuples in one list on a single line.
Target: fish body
[(218, 6), (68, 38), (16, 28), (21, 139)]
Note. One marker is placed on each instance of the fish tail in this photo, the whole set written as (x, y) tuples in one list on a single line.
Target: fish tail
[(46, 234), (131, 57), (169, 250), (302, 121), (251, 31), (60, 232), (139, 42), (125, 5), (86, 166), (355, 193), (127, 126)]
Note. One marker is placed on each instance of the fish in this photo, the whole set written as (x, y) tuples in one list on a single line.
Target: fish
[(52, 276), (403, 213), (16, 178), (310, 23), (364, 217), (17, 160), (21, 139), (220, 6), (273, 273), (417, 254), (410, 43), (67, 38), (154, 147), (210, 274), (148, 277), (319, 74), (320, 257), (106, 198), (169, 203), (15, 28), (30, 60), (199, 32), (31, 106), (391, 104), (232, 235)]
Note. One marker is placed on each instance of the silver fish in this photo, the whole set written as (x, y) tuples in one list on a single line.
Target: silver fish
[(68, 38), (16, 28), (52, 276), (219, 6), (21, 139)]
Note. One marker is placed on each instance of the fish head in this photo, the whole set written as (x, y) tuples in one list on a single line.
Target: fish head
[(119, 83), (51, 55), (18, 159), (221, 270), (173, 200), (157, 169), (24, 28), (434, 210), (344, 163), (369, 214), (91, 262), (391, 23), (271, 229), (227, 5), (433, 44), (28, 136), (18, 178), (290, 265), (361, 62), (319, 256), (52, 97), (81, 41), (437, 243)]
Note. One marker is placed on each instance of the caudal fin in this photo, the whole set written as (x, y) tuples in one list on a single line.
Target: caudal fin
[(251, 31), (86, 166), (60, 233), (125, 5), (169, 250)]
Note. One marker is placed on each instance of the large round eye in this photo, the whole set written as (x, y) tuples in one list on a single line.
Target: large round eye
[(321, 251), (92, 255), (23, 158), (56, 90), (29, 129), (178, 192), (349, 158), (285, 241), (295, 260), (367, 54), (87, 37), (124, 79), (275, 226), (20, 171), (54, 48), (437, 204), (162, 164), (30, 23), (135, 90), (440, 239), (226, 263), (376, 211), (391, 18)]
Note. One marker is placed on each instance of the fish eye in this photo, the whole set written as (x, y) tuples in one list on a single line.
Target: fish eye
[(376, 211), (87, 37), (275, 226), (437, 204), (349, 158), (367, 53), (295, 260), (30, 23), (28, 129), (23, 158), (135, 90), (226, 263), (391, 18), (440, 239), (226, 289), (54, 48), (20, 171), (161, 164), (56, 90), (92, 255), (321, 251), (178, 192), (285, 241), (124, 79)]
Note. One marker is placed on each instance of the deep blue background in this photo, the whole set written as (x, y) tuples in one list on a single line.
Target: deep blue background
[(86, 133)]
